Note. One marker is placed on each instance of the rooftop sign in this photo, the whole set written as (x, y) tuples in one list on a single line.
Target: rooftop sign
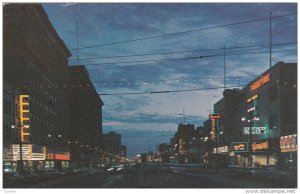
[(260, 82)]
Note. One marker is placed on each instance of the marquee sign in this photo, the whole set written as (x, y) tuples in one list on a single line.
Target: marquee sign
[(255, 130), (260, 82), (288, 143), (223, 149), (28, 152), (239, 146)]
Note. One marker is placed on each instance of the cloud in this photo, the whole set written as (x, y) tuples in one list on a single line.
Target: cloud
[(143, 116)]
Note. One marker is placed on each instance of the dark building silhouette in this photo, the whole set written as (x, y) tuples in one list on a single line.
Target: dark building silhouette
[(35, 64), (112, 145), (85, 116)]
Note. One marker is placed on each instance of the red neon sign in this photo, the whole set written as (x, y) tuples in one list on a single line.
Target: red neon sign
[(59, 156), (262, 81), (214, 116)]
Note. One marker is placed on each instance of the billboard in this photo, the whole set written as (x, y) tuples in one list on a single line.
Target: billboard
[(288, 143)]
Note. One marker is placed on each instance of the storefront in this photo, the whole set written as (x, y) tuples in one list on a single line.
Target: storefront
[(288, 152), (57, 159), (239, 154), (265, 153), (221, 156)]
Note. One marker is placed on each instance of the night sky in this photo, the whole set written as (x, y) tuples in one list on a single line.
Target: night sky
[(145, 120)]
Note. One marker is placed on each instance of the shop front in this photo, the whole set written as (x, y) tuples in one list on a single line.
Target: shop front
[(239, 154), (265, 153), (288, 152), (33, 157), (57, 159), (221, 156)]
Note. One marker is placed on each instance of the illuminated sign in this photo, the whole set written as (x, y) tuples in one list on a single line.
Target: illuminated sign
[(255, 130), (28, 152), (213, 129), (215, 116), (239, 146), (252, 98), (260, 146), (288, 143), (223, 149), (23, 111), (251, 109), (60, 156), (260, 82)]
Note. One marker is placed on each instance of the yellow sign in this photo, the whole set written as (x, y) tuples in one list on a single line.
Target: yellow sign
[(260, 146), (252, 98), (24, 117)]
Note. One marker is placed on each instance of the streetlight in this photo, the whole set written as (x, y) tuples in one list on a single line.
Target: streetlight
[(54, 158), (19, 127)]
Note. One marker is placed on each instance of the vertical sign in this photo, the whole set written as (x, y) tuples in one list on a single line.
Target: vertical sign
[(23, 111)]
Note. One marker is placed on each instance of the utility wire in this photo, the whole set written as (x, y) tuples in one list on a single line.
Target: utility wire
[(156, 61), (183, 32), (165, 91), (176, 91), (178, 52)]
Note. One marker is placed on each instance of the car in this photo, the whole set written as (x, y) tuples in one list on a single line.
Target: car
[(231, 170), (51, 173), (29, 176), (12, 179)]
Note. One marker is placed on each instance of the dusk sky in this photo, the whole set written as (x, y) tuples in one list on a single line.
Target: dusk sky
[(145, 120)]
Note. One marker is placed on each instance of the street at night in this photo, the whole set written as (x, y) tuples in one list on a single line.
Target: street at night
[(143, 177), (150, 95)]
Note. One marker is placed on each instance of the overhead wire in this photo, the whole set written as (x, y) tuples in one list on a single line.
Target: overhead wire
[(183, 32)]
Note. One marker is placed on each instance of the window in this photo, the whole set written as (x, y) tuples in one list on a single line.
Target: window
[(273, 121), (25, 99), (25, 107), (273, 93), (25, 115)]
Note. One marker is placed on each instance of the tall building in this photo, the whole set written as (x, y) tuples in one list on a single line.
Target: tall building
[(85, 116), (35, 65), (270, 116)]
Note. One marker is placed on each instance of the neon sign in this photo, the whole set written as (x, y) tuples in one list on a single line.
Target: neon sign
[(251, 109), (239, 146), (260, 146), (255, 130), (214, 116), (252, 98), (260, 82)]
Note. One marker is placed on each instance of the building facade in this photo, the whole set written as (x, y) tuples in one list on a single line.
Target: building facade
[(112, 146), (85, 116), (35, 64)]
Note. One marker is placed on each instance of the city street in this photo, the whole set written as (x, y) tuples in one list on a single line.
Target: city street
[(140, 177)]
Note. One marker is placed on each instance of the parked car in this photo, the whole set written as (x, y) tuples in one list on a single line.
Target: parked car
[(12, 179), (29, 176), (231, 170), (51, 173)]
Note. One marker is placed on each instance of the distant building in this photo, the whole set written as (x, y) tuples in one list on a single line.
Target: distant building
[(112, 145), (123, 152), (164, 152), (181, 142)]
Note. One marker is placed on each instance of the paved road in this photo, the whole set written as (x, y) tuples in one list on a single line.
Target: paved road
[(141, 178)]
